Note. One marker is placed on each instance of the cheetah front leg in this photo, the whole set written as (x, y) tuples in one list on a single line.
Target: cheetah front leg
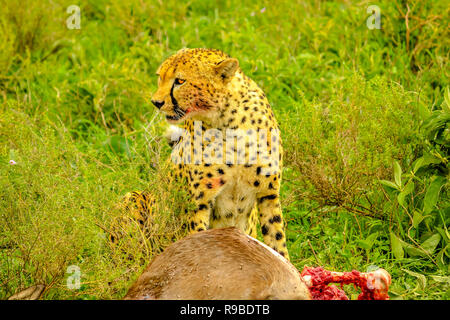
[(204, 192), (199, 221), (272, 225)]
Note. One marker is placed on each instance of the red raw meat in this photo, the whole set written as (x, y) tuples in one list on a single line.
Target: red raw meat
[(374, 285)]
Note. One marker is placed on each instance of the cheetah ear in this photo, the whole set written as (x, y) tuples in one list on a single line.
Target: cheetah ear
[(227, 68)]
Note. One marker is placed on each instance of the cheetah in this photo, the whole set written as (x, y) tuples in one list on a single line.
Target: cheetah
[(230, 153)]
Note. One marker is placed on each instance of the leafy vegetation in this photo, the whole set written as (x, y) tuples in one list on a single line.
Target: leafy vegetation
[(364, 115)]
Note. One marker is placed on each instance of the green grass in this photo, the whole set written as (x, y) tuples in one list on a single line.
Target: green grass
[(75, 117)]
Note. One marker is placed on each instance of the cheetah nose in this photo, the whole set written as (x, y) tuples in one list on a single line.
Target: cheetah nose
[(158, 104)]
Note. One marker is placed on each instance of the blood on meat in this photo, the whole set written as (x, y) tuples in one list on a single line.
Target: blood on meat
[(373, 285)]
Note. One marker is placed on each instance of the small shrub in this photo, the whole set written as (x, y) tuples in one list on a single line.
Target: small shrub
[(342, 147), (418, 200)]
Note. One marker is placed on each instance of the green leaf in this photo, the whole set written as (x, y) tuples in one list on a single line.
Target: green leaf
[(389, 184), (431, 243), (432, 194), (396, 247), (422, 280), (414, 252), (397, 174), (444, 279), (368, 242), (424, 112), (364, 244), (429, 158), (419, 163), (407, 190), (444, 234), (447, 98), (417, 218), (440, 260)]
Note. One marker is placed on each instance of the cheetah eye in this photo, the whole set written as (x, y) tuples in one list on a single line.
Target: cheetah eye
[(179, 81)]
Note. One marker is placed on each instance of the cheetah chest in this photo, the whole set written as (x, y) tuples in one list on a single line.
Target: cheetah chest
[(233, 205)]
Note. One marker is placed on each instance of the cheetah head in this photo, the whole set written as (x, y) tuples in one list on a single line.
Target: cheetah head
[(192, 84)]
